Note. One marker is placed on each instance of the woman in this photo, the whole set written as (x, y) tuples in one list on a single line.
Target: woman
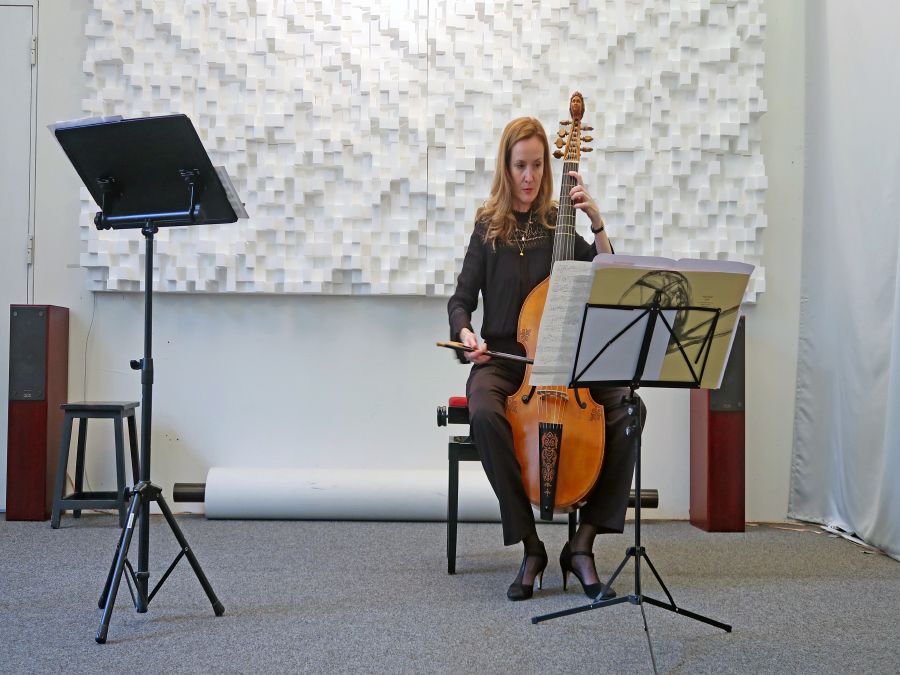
[(510, 253)]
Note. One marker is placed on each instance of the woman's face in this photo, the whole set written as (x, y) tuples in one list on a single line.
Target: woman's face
[(526, 168)]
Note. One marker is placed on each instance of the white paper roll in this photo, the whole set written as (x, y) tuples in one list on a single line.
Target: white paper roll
[(345, 494)]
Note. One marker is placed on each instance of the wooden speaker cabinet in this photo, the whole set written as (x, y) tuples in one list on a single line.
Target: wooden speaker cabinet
[(38, 386), (717, 448)]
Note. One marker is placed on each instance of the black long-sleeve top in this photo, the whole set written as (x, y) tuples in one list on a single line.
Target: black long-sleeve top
[(505, 272)]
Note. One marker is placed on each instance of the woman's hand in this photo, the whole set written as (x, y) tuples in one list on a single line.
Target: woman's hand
[(469, 339), (582, 200)]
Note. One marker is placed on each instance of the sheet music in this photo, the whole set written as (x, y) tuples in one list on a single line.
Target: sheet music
[(629, 280), (698, 287), (80, 122), (83, 122), (682, 264), (231, 193), (639, 261), (728, 351), (570, 286)]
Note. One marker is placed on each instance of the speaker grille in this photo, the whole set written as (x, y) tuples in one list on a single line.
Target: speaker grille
[(730, 396), (27, 353)]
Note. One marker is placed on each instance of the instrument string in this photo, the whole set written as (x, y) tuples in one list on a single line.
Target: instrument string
[(563, 249)]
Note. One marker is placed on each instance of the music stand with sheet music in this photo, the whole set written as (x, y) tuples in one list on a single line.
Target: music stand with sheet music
[(635, 349), (147, 173)]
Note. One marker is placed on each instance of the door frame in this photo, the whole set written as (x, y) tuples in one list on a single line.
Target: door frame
[(32, 188), (32, 141)]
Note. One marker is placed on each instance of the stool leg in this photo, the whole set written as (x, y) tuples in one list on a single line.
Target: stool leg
[(573, 520), (79, 460), (452, 509), (120, 469), (61, 470), (133, 443)]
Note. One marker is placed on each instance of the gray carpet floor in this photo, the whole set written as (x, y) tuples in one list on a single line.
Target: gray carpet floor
[(327, 597)]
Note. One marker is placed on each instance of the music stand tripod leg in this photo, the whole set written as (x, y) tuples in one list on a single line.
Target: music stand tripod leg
[(218, 607), (672, 607), (636, 428), (111, 588)]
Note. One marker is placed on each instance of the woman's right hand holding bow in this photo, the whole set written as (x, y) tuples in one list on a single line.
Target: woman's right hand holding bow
[(469, 339)]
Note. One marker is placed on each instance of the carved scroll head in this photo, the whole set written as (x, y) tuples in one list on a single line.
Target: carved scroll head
[(576, 106)]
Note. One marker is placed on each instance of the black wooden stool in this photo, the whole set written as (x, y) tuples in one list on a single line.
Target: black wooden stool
[(83, 411)]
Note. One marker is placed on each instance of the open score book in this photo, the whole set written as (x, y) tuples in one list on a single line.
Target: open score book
[(617, 289)]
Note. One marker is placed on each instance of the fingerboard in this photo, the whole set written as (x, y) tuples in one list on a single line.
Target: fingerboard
[(564, 236)]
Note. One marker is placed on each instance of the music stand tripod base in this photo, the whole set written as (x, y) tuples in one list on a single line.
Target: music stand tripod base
[(651, 313), (142, 494)]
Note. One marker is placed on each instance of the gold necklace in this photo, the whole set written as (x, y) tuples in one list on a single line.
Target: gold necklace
[(521, 244)]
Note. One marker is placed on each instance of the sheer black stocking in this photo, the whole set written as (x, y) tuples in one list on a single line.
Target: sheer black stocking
[(533, 564), (584, 541), (535, 560)]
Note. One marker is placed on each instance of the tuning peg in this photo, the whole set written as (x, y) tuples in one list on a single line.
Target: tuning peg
[(587, 139), (565, 123), (587, 128), (586, 149), (557, 154), (559, 143), (562, 133)]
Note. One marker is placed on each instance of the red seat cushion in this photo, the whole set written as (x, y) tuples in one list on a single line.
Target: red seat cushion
[(458, 402)]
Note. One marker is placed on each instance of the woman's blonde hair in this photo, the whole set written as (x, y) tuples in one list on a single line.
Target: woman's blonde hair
[(497, 211)]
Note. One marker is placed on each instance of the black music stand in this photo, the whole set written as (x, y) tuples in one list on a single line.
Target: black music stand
[(641, 330), (145, 174)]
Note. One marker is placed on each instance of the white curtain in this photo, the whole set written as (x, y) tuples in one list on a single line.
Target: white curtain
[(846, 461)]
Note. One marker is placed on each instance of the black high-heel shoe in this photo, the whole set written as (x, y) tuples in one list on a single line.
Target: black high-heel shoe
[(519, 591), (590, 590)]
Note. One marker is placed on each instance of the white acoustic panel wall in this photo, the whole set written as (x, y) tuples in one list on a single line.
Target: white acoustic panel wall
[(362, 135)]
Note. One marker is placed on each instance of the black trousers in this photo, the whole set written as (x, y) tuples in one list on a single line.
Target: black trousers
[(487, 389)]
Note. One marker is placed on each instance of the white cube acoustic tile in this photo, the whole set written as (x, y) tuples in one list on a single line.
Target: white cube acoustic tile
[(362, 134)]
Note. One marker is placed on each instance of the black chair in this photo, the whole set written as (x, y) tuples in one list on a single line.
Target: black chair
[(79, 499), (462, 449)]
